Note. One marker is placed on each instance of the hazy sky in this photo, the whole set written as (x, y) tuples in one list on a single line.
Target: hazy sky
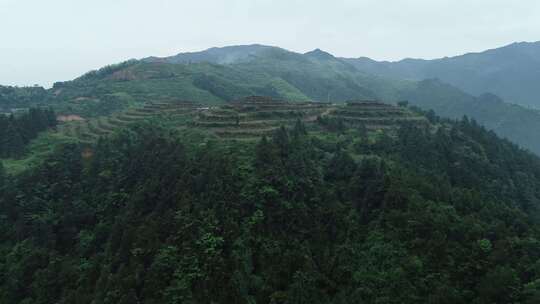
[(43, 41)]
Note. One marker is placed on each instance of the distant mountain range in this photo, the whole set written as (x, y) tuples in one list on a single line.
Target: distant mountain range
[(511, 72), (452, 87)]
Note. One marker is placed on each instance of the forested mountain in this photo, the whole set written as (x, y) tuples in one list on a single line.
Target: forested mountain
[(164, 184), (511, 72), (220, 75), (150, 216)]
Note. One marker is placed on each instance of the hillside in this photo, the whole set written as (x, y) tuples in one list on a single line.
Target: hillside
[(443, 212), (245, 119), (511, 72), (271, 72), (138, 82)]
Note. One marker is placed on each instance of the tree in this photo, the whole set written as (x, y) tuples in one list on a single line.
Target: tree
[(2, 175), (341, 167), (403, 103), (500, 285), (299, 129), (17, 131), (531, 292), (362, 132), (281, 139), (13, 143), (368, 186)]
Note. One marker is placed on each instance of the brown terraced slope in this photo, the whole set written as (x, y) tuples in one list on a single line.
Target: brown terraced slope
[(247, 118)]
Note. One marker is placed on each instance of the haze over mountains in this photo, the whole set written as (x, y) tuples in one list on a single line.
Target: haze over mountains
[(512, 72)]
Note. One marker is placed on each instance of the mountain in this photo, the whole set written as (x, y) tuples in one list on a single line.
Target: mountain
[(219, 75), (266, 71), (511, 72), (163, 184)]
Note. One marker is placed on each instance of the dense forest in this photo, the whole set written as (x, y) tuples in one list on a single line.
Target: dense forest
[(149, 216), (17, 130)]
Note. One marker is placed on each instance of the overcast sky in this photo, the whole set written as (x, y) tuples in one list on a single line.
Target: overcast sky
[(43, 41)]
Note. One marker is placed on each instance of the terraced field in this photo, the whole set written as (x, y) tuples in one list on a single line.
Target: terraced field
[(91, 130), (254, 116), (248, 118), (375, 115)]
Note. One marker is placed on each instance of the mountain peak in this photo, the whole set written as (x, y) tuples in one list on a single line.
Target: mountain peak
[(319, 54)]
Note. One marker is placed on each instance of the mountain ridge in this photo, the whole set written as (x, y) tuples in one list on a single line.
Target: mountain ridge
[(510, 71), (220, 55)]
